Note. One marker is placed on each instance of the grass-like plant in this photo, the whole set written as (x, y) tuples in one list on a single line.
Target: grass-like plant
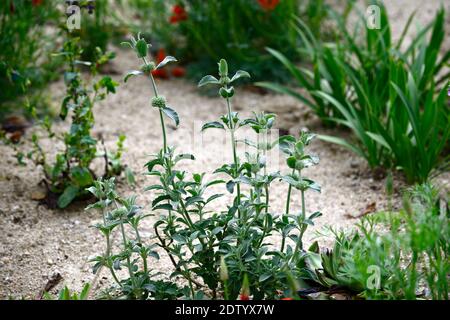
[(67, 294), (390, 97)]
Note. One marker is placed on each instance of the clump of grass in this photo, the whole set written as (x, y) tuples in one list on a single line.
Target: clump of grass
[(391, 98)]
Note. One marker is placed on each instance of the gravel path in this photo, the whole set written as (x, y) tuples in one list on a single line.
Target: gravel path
[(36, 243)]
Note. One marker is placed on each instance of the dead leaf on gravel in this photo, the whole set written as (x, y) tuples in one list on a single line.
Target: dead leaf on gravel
[(340, 296), (51, 283), (15, 123), (370, 208), (15, 136), (38, 195)]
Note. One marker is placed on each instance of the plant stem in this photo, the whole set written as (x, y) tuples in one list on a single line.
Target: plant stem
[(144, 256), (163, 125), (288, 202), (124, 239), (303, 204), (235, 159), (108, 250), (225, 290)]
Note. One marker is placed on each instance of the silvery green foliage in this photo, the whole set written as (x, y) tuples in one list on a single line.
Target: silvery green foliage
[(199, 240)]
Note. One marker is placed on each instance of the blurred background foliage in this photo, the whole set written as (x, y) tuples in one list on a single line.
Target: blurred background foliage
[(197, 32)]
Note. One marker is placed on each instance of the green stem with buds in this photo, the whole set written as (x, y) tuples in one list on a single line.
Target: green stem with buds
[(233, 144), (108, 250), (288, 203), (163, 125), (125, 241)]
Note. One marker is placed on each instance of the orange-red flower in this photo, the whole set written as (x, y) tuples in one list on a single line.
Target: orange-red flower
[(160, 73), (244, 297), (287, 299), (160, 55), (268, 4), (178, 14), (178, 72), (36, 3)]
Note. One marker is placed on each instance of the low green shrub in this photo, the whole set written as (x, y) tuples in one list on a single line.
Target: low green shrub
[(223, 253), (70, 174)]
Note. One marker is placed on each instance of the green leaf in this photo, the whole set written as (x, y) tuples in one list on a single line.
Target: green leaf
[(85, 292), (179, 238), (208, 80), (151, 164), (141, 48), (379, 139), (213, 197), (343, 143), (214, 124), (314, 247), (132, 74), (166, 61), (83, 63), (184, 156), (285, 90), (126, 44), (240, 74), (230, 186), (223, 68), (69, 77), (291, 162), (165, 206), (172, 114), (154, 187), (193, 200), (264, 277), (69, 194), (81, 176), (131, 180), (108, 83), (159, 199), (64, 108)]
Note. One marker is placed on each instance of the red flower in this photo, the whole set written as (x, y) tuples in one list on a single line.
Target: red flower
[(178, 72), (36, 3), (244, 297), (287, 299), (268, 4), (160, 73), (160, 55), (178, 10), (179, 14)]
